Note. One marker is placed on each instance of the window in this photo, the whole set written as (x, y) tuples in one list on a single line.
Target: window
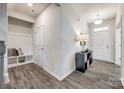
[(100, 29)]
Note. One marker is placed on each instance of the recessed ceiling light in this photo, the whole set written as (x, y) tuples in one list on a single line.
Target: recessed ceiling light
[(97, 22), (30, 4)]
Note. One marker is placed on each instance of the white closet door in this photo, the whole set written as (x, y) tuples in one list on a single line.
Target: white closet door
[(39, 45)]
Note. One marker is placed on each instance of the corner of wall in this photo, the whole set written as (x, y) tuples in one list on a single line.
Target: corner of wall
[(6, 78), (57, 76), (66, 74)]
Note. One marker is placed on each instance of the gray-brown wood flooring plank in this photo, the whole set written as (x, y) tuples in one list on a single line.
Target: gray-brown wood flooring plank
[(101, 75)]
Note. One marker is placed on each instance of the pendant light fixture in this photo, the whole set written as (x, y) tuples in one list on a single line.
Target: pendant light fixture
[(98, 20)]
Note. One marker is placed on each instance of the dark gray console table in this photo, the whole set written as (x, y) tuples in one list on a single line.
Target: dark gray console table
[(83, 60)]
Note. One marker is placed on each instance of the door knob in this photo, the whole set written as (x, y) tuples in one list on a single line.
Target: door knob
[(107, 46), (42, 48)]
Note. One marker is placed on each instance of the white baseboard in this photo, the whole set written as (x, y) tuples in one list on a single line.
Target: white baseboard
[(49, 71), (57, 76), (111, 61), (66, 74), (117, 64), (122, 81), (6, 78)]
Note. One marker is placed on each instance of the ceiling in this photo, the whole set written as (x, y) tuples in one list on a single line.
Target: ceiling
[(89, 11), (37, 8), (105, 11)]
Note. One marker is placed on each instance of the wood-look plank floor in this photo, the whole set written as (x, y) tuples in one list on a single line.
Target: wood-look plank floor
[(101, 75)]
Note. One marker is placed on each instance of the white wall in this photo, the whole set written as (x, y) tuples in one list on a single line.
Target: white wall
[(20, 35), (118, 36), (50, 19), (61, 29), (122, 64), (119, 14), (73, 24), (110, 23), (20, 40), (3, 35)]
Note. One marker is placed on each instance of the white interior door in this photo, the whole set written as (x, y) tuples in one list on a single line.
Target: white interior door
[(39, 45), (102, 45)]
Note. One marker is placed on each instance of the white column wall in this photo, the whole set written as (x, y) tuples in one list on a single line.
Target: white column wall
[(61, 29)]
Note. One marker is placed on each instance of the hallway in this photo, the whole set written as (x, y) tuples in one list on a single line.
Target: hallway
[(101, 75)]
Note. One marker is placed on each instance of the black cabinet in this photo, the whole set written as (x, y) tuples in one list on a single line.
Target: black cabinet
[(83, 60)]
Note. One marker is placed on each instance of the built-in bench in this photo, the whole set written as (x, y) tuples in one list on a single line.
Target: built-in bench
[(15, 59)]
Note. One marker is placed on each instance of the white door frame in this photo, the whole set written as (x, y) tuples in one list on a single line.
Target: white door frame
[(118, 56)]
